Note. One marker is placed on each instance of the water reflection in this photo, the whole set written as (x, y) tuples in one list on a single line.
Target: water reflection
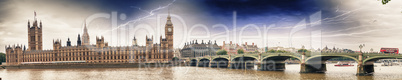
[(189, 73)]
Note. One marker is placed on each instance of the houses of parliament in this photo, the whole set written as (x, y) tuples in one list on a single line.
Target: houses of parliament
[(90, 53)]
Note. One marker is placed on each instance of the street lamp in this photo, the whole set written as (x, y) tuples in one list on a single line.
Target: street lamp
[(361, 46), (371, 50)]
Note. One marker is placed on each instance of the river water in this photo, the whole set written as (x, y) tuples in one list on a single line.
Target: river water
[(197, 73)]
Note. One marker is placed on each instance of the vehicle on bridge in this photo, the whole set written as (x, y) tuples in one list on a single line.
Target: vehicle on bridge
[(390, 50)]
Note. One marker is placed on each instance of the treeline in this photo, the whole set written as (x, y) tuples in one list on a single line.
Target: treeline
[(2, 58)]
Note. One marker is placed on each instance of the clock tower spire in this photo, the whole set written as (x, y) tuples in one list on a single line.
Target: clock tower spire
[(169, 35)]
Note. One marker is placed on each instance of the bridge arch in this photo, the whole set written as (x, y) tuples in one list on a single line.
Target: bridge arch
[(275, 62), (203, 62), (375, 58), (203, 58), (220, 62), (227, 58), (316, 64), (368, 63), (280, 57), (327, 57), (193, 62), (244, 56), (243, 62)]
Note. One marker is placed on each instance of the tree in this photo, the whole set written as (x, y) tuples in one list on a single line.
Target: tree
[(2, 58), (175, 59), (385, 1), (277, 51), (256, 51), (281, 51), (271, 51), (222, 52), (302, 50), (240, 51)]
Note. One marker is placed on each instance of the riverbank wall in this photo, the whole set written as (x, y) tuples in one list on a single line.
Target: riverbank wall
[(90, 65)]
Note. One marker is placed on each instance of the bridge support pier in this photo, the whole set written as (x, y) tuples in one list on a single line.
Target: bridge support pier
[(272, 66), (313, 68), (230, 62), (365, 70)]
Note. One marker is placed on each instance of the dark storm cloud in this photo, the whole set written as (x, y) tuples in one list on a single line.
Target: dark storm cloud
[(251, 8)]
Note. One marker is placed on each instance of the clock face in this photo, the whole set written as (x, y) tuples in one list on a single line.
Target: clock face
[(170, 29)]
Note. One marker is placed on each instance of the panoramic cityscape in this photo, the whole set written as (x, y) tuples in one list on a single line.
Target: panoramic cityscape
[(209, 39)]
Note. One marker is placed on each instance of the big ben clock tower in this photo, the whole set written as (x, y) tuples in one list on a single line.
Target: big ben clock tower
[(169, 36)]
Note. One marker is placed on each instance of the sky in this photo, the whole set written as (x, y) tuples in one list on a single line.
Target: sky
[(267, 23)]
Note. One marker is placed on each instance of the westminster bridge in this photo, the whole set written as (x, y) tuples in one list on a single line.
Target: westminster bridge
[(309, 62)]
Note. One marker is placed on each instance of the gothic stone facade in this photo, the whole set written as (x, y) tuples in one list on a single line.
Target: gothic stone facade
[(194, 49), (98, 53)]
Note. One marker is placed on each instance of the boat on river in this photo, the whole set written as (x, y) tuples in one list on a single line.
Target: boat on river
[(342, 64)]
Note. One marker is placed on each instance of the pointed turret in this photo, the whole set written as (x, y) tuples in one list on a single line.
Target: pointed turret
[(135, 42), (79, 40), (85, 36), (34, 35), (29, 24), (68, 42), (40, 24)]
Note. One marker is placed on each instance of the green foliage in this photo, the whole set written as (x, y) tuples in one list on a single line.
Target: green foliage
[(2, 58), (271, 51), (276, 51), (175, 59), (240, 51), (256, 51), (281, 51), (302, 50), (222, 52), (385, 1)]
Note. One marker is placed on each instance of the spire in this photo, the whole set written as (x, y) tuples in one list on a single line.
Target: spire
[(85, 27), (40, 24), (29, 24), (35, 15), (79, 37), (68, 42), (169, 22), (85, 35), (35, 22), (168, 13), (79, 40)]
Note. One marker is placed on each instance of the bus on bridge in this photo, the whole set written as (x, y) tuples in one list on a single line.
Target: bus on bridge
[(390, 50)]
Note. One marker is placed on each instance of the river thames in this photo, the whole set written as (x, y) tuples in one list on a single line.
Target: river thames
[(197, 73)]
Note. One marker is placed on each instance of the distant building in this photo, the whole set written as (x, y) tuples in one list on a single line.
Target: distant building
[(290, 49), (335, 50), (249, 48), (232, 48), (177, 53), (101, 52), (194, 49)]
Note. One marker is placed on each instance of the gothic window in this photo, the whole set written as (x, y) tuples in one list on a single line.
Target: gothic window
[(32, 38)]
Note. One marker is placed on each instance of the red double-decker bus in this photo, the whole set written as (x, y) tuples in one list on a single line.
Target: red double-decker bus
[(390, 50)]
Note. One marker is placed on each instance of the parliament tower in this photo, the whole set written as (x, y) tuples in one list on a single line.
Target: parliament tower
[(169, 35), (85, 36), (35, 35)]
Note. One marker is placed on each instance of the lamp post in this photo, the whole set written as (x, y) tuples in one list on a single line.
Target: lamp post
[(371, 50), (361, 46)]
